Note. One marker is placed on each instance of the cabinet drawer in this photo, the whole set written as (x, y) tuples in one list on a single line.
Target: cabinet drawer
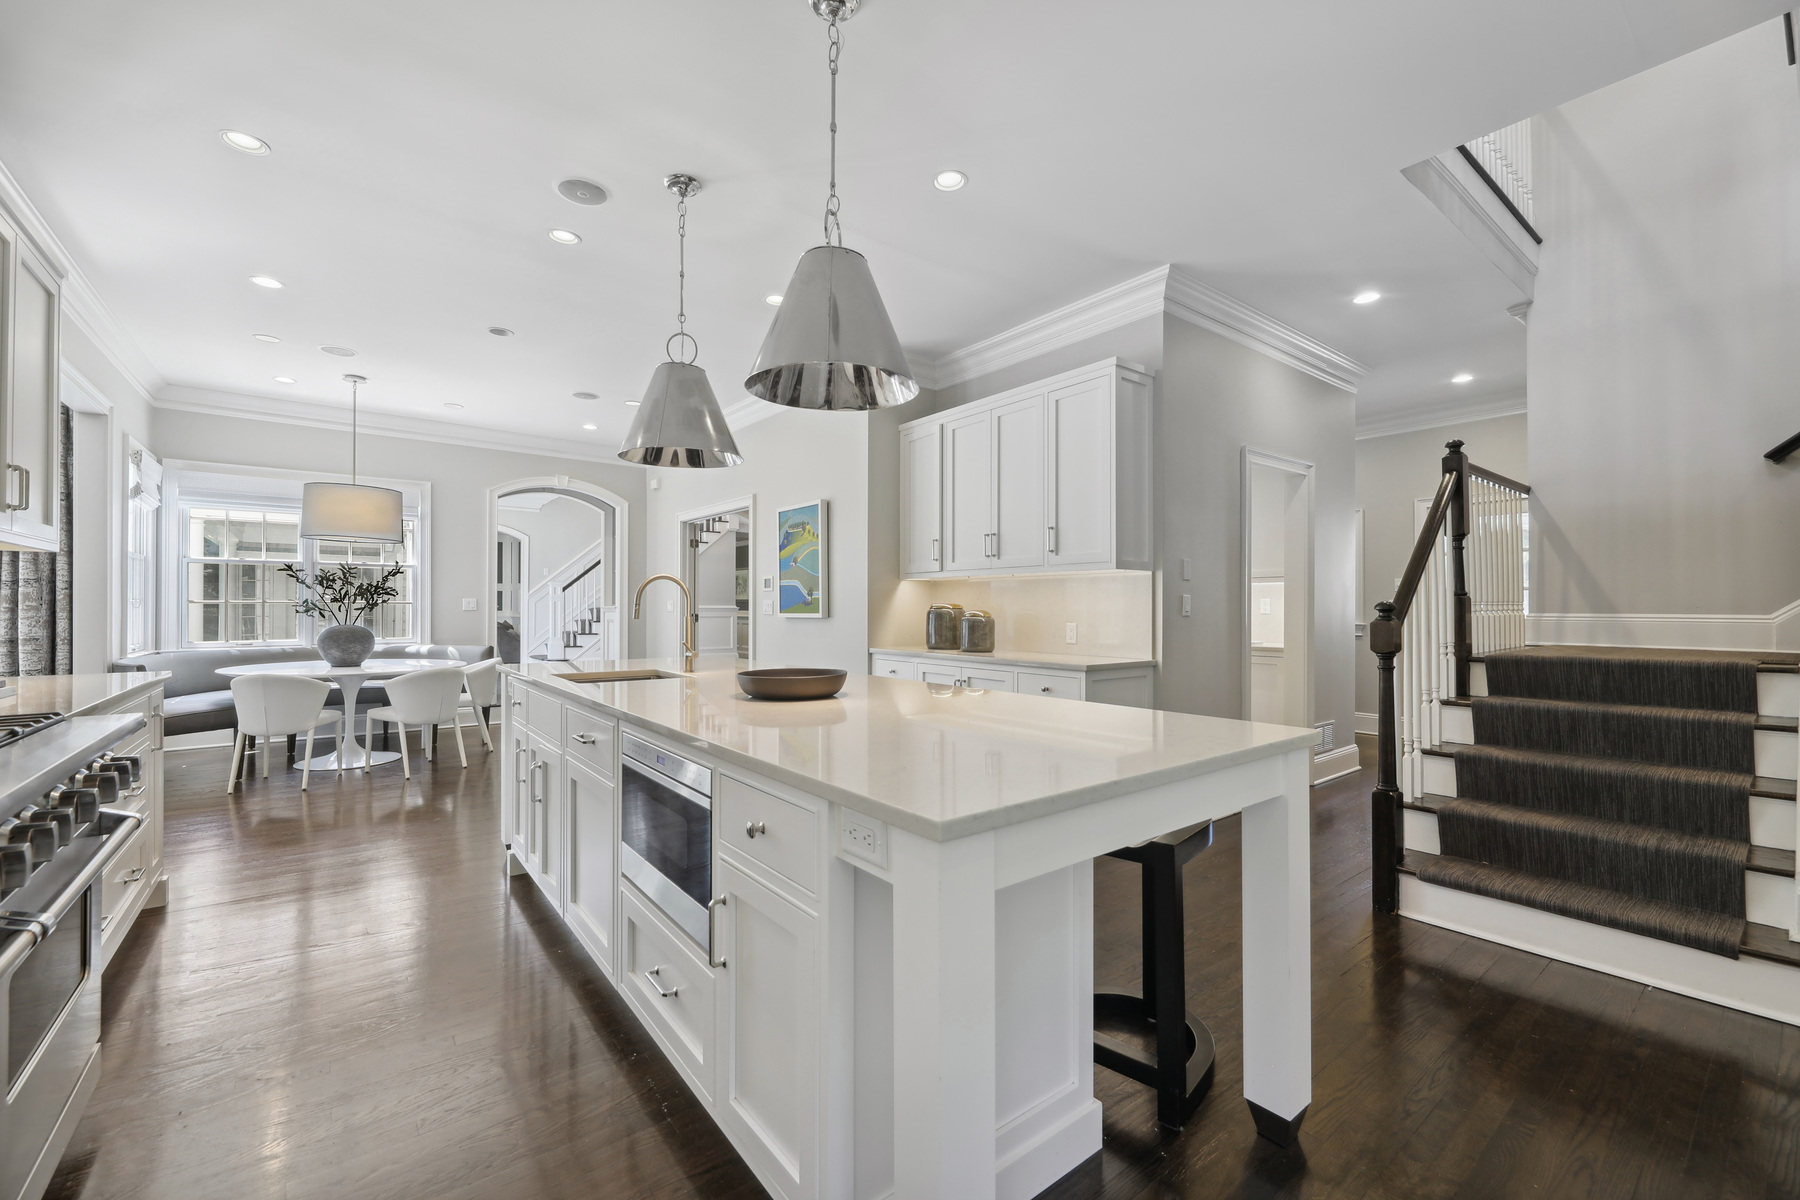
[(894, 668), (777, 833), (543, 714), (671, 987), (987, 679), (125, 876), (1044, 683), (590, 741)]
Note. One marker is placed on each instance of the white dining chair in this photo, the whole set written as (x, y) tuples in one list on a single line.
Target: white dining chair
[(422, 699), (481, 691), (272, 706)]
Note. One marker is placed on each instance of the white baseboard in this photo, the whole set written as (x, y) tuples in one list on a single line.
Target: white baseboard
[(1751, 985), (1779, 630), (1335, 764), (1368, 723)]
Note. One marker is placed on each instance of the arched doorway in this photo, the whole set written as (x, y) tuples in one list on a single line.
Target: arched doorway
[(558, 555)]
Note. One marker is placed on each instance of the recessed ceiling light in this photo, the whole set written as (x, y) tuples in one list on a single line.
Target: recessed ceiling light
[(265, 337), (268, 281), (949, 181), (776, 300), (500, 331), (340, 351), (1365, 297), (586, 396), (249, 143), (590, 427), (283, 379), (567, 237), (451, 404), (1462, 378)]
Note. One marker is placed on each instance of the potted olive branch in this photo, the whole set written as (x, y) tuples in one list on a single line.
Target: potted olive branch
[(341, 596)]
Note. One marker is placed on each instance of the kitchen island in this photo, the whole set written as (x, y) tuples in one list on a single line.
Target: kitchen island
[(889, 987)]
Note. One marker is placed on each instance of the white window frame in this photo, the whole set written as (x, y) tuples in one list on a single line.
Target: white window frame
[(188, 485), (142, 542)]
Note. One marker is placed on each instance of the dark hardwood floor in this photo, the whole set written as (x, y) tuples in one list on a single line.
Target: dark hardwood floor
[(346, 998)]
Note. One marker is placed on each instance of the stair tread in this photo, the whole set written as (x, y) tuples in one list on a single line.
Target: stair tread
[(1763, 785), (1763, 721)]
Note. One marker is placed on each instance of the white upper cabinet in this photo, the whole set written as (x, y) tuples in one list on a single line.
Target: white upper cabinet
[(1054, 476), (30, 311), (922, 500)]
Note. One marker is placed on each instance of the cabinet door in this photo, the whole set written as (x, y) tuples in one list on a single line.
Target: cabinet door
[(1080, 431), (516, 791), (893, 668), (32, 416), (921, 500), (969, 493), (593, 855), (988, 679), (9, 257), (943, 676), (549, 818), (1019, 529), (770, 1029)]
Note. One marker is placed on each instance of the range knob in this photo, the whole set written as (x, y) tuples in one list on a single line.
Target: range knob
[(61, 819), (40, 836), (106, 782), (15, 867), (129, 766), (83, 801)]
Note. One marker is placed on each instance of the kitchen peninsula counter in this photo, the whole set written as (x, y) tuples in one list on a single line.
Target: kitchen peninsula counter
[(897, 977)]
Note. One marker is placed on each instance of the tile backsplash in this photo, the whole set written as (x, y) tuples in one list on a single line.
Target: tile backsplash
[(1112, 611)]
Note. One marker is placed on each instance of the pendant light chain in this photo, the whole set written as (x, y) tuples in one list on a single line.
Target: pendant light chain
[(353, 386), (833, 229), (683, 187)]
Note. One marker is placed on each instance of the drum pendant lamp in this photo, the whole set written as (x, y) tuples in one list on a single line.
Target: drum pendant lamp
[(679, 423), (351, 512), (831, 345)]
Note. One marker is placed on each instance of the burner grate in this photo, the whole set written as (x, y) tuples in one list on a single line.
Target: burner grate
[(14, 726)]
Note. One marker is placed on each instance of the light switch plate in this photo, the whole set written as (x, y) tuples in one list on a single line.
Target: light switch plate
[(1187, 568), (768, 608), (469, 604), (1187, 605), (1069, 633), (862, 837)]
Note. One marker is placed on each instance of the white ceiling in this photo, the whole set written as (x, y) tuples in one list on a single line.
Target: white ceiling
[(417, 145)]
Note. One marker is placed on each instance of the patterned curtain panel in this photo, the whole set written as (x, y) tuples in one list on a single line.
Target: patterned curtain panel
[(37, 604)]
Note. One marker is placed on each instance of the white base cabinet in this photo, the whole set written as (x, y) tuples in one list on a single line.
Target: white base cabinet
[(1132, 686), (137, 879)]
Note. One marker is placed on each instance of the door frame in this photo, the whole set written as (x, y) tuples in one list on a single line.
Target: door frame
[(578, 489), (686, 554), (1253, 457)]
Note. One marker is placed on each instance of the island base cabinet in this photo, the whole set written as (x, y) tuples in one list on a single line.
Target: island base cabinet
[(669, 986), (545, 818), (593, 852), (769, 1023)]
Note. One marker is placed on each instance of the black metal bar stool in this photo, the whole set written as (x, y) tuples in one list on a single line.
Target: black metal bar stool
[(1181, 1071)]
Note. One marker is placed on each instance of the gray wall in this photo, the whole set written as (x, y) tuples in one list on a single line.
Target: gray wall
[(1663, 352), (559, 531), (1392, 472), (459, 476), (1215, 397)]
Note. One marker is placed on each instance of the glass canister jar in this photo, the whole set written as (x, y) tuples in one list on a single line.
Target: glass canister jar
[(977, 632), (943, 627)]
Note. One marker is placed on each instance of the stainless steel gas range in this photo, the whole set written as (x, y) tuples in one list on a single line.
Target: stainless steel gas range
[(59, 831)]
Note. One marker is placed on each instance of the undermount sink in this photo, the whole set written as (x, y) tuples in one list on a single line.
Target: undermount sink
[(625, 676)]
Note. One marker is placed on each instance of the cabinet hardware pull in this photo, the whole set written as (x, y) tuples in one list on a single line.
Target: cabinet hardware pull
[(586, 739), (653, 976), (752, 828), (712, 935), (13, 470), (538, 764), (136, 791), (25, 475), (934, 550), (1050, 537), (1043, 689), (132, 876)]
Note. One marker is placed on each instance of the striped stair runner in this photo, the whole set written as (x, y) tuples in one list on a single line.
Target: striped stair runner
[(1610, 785)]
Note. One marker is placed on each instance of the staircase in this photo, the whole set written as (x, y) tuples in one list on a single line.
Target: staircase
[(1627, 809), (569, 616)]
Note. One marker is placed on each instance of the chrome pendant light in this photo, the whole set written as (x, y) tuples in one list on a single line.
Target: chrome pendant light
[(351, 512), (831, 345), (679, 423)]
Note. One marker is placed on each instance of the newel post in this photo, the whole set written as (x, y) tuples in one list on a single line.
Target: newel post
[(1457, 463), (1385, 830)]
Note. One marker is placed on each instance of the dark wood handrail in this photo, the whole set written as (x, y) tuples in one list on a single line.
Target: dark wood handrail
[(1421, 555), (1494, 477)]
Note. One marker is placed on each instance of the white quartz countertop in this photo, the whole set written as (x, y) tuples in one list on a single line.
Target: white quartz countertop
[(1019, 658), (74, 695), (941, 762)]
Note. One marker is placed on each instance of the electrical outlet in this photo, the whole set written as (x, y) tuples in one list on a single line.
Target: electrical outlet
[(1187, 605), (655, 484), (1267, 610), (768, 608), (469, 604), (1069, 633), (862, 837), (671, 607)]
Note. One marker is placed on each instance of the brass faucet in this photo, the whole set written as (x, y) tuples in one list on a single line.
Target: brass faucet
[(687, 613)]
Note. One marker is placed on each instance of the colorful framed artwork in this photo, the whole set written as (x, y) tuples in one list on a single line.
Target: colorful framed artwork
[(800, 537)]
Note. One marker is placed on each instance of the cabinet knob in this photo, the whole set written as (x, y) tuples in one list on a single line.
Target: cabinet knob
[(752, 828), (1044, 689)]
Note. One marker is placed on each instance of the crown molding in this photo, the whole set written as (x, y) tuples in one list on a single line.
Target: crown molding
[(1166, 289), (749, 411), (310, 415), (1208, 307), (1436, 416), (81, 303)]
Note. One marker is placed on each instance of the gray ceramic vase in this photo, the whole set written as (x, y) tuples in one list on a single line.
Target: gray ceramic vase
[(346, 645)]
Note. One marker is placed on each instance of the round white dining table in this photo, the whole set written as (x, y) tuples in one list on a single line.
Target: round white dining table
[(350, 753)]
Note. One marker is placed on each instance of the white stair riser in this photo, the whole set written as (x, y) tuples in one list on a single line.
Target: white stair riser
[(1768, 899), (1777, 692), (1777, 751), (1771, 820)]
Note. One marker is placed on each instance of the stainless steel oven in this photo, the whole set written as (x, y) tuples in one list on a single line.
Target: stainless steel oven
[(50, 1001), (665, 832)]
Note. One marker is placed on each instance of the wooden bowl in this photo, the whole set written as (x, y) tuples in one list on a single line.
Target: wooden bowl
[(791, 683)]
